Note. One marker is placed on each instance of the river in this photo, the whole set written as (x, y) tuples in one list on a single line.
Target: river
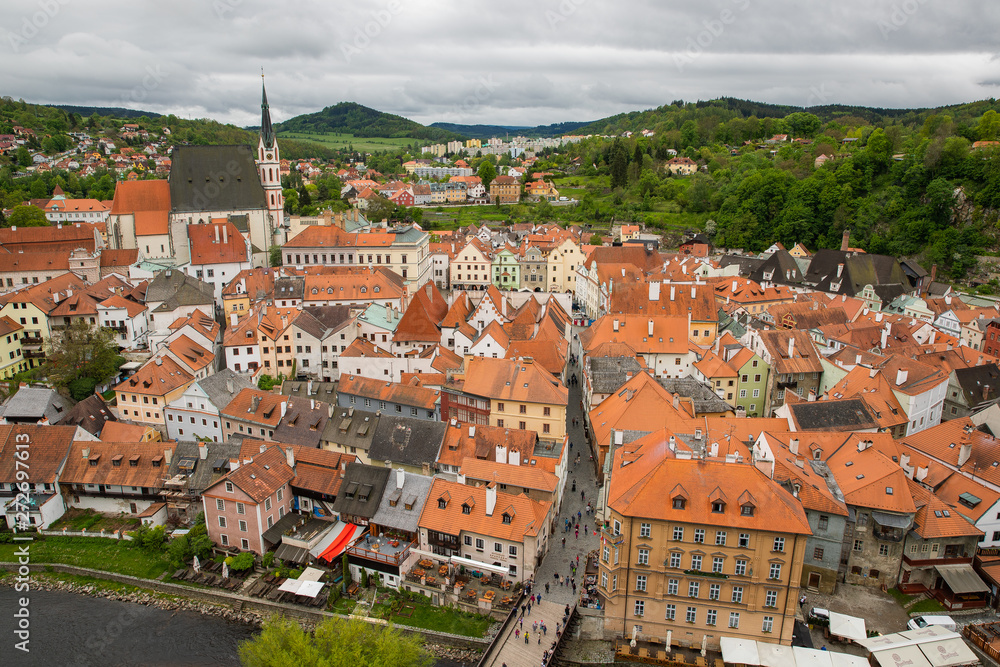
[(71, 630)]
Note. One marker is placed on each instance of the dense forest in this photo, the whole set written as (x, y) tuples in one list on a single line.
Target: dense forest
[(489, 131), (362, 121)]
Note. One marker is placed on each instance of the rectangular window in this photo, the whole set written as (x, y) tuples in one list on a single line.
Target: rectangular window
[(768, 624), (717, 564), (720, 538), (818, 553), (775, 572), (699, 535), (640, 582), (675, 559), (671, 612), (744, 539), (779, 544), (710, 616), (734, 619), (678, 533), (643, 558), (692, 615), (672, 586), (220, 504), (645, 529), (640, 607), (883, 550), (713, 591), (267, 504), (479, 544), (694, 588), (243, 526), (222, 522), (824, 521), (696, 562), (859, 545), (737, 596), (240, 508), (771, 599)]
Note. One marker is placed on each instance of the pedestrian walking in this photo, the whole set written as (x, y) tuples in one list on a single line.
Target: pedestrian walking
[(525, 637), (520, 621), (522, 610), (534, 627), (578, 534), (545, 630), (583, 495), (579, 514), (564, 543), (547, 584), (570, 445), (529, 609), (532, 598), (517, 633), (584, 529), (574, 588), (578, 556), (538, 600), (539, 639)]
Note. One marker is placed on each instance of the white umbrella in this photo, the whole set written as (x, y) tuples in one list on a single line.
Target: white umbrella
[(635, 631), (704, 645), (670, 636), (225, 570), (196, 565)]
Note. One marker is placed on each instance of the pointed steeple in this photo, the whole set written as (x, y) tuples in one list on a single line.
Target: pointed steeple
[(266, 131)]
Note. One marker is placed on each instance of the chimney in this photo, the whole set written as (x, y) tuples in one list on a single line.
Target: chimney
[(225, 234), (964, 452), (159, 361), (791, 347), (388, 312), (284, 407), (400, 477), (793, 446), (472, 431), (312, 403), (933, 274), (840, 270), (932, 336), (491, 498), (614, 323), (901, 377), (309, 388), (651, 328), (229, 385), (167, 455), (202, 451), (677, 401), (947, 299), (846, 242), (86, 452), (428, 290), (654, 291), (694, 292), (233, 319), (263, 448), (885, 338), (216, 233), (812, 395), (986, 392), (736, 285), (290, 458), (857, 360), (673, 291), (254, 404)]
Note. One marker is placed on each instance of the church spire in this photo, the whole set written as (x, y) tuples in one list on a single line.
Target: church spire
[(266, 131)]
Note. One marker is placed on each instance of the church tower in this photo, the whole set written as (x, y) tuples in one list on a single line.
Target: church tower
[(269, 163)]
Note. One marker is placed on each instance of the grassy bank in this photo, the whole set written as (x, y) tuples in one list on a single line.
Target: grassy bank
[(418, 612), (93, 552)]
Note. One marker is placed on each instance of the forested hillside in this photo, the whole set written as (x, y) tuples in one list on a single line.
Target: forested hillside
[(361, 121)]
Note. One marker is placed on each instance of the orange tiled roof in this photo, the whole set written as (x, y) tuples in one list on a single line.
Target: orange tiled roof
[(217, 243), (356, 385), (513, 380), (935, 518), (527, 517), (49, 448), (259, 479), (156, 377), (111, 463), (258, 406)]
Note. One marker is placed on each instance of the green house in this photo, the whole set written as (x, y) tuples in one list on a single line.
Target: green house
[(506, 269)]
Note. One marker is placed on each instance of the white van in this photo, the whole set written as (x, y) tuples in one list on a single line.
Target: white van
[(918, 622)]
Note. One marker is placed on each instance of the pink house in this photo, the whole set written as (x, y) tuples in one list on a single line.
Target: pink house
[(249, 500)]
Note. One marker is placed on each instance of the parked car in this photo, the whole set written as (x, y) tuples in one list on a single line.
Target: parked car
[(918, 622)]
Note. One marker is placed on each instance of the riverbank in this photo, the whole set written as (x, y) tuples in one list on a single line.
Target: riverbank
[(151, 594)]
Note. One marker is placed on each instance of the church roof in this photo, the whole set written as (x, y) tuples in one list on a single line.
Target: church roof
[(215, 178)]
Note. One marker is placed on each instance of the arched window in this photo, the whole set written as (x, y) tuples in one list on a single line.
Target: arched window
[(270, 174)]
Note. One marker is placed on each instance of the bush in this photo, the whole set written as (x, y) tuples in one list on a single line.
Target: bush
[(243, 561), (149, 539), (81, 388), (266, 382), (268, 559)]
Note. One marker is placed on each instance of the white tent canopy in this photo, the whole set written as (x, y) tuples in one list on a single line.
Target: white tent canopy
[(307, 584), (948, 653), (776, 655), (901, 656), (476, 565), (810, 657), (739, 651), (845, 659), (850, 627)]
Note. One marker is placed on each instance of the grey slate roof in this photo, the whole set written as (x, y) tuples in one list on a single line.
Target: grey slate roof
[(361, 490), (321, 321), (289, 288), (204, 474), (90, 414), (31, 404), (223, 386), (351, 428), (407, 441), (779, 268), (413, 493), (859, 270), (980, 384), (176, 288), (215, 178), (303, 423), (747, 264), (609, 373), (320, 391), (705, 400), (834, 415)]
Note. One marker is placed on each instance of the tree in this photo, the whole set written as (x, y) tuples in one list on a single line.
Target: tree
[(379, 209), (336, 642), (596, 239), (81, 351), (23, 156), (619, 165), (26, 216), (487, 172), (240, 562), (266, 382), (275, 255)]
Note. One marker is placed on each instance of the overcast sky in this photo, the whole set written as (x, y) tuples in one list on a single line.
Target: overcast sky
[(514, 63)]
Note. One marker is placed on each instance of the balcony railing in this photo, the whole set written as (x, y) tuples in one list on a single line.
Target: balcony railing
[(31, 340)]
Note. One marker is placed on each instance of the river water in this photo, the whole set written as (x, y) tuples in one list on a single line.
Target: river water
[(71, 630)]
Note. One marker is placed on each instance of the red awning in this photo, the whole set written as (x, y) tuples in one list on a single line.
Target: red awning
[(340, 544)]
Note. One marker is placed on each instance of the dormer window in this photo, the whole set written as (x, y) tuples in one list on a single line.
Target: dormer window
[(466, 509), (116, 461), (718, 507), (507, 518), (746, 510), (679, 503), (442, 503)]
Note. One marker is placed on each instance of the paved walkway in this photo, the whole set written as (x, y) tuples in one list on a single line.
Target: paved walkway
[(517, 652)]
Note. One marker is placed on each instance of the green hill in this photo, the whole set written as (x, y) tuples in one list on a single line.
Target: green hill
[(489, 131), (362, 121)]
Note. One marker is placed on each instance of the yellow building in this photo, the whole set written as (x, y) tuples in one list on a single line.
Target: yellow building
[(143, 396), (698, 549), (563, 261), (513, 393), (12, 359), (30, 307)]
